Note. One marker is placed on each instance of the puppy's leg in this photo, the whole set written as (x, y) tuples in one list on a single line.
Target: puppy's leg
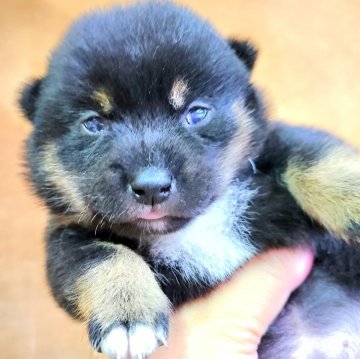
[(321, 172), (112, 289)]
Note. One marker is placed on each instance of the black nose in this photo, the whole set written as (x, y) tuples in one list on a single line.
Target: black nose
[(152, 186)]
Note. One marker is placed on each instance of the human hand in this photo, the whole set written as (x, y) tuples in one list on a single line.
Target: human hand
[(230, 322)]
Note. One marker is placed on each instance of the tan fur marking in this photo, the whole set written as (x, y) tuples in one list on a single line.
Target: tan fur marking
[(59, 220), (104, 100), (239, 148), (178, 93), (120, 288), (330, 189), (62, 179)]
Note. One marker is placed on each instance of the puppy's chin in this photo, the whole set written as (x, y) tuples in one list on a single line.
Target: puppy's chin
[(149, 227)]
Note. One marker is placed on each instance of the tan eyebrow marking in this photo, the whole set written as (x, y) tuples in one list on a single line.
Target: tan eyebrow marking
[(104, 100), (178, 93)]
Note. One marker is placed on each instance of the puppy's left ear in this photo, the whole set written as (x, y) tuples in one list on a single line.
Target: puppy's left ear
[(245, 51), (28, 98)]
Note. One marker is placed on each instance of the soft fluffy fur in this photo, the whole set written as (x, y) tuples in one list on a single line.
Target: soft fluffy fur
[(114, 108)]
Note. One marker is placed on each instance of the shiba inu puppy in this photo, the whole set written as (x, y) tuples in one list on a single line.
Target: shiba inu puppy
[(153, 152)]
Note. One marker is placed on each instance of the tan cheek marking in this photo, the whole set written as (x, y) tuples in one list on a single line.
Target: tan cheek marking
[(330, 189), (104, 99), (239, 148), (120, 288), (178, 93), (58, 220), (62, 179)]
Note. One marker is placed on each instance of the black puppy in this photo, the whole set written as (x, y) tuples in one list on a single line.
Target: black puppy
[(152, 150)]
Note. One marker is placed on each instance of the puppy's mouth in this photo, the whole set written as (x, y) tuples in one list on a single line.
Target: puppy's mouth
[(158, 222), (152, 221), (152, 215)]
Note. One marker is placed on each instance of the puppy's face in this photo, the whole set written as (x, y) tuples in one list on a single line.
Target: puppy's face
[(142, 123)]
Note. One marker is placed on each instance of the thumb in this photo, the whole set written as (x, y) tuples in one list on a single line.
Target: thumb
[(257, 293), (230, 322)]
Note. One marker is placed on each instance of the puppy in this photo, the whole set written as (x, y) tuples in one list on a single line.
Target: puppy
[(153, 152)]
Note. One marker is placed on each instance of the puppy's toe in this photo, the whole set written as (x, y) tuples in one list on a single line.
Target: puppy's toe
[(115, 344), (144, 339), (135, 340)]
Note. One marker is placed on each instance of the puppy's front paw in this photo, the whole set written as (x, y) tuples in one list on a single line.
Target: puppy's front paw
[(124, 306), (135, 340)]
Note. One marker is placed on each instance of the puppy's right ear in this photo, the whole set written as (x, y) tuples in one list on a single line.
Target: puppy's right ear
[(29, 97)]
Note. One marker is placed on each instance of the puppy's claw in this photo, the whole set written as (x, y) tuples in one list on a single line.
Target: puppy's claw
[(162, 341)]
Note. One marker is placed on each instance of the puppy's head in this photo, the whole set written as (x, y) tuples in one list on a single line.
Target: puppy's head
[(144, 118)]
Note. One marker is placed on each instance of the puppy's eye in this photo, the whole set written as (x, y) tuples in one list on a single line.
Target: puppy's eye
[(94, 124), (195, 115)]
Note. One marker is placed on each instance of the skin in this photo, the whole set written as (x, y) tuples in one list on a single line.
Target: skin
[(230, 322)]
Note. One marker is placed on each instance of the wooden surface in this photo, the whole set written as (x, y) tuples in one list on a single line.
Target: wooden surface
[(308, 66)]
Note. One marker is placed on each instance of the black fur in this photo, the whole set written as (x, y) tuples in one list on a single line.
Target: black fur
[(246, 51), (73, 248), (29, 96), (135, 55)]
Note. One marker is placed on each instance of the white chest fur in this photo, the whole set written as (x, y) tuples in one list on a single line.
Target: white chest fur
[(214, 244)]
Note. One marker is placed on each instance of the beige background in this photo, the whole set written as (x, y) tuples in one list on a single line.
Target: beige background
[(308, 66)]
